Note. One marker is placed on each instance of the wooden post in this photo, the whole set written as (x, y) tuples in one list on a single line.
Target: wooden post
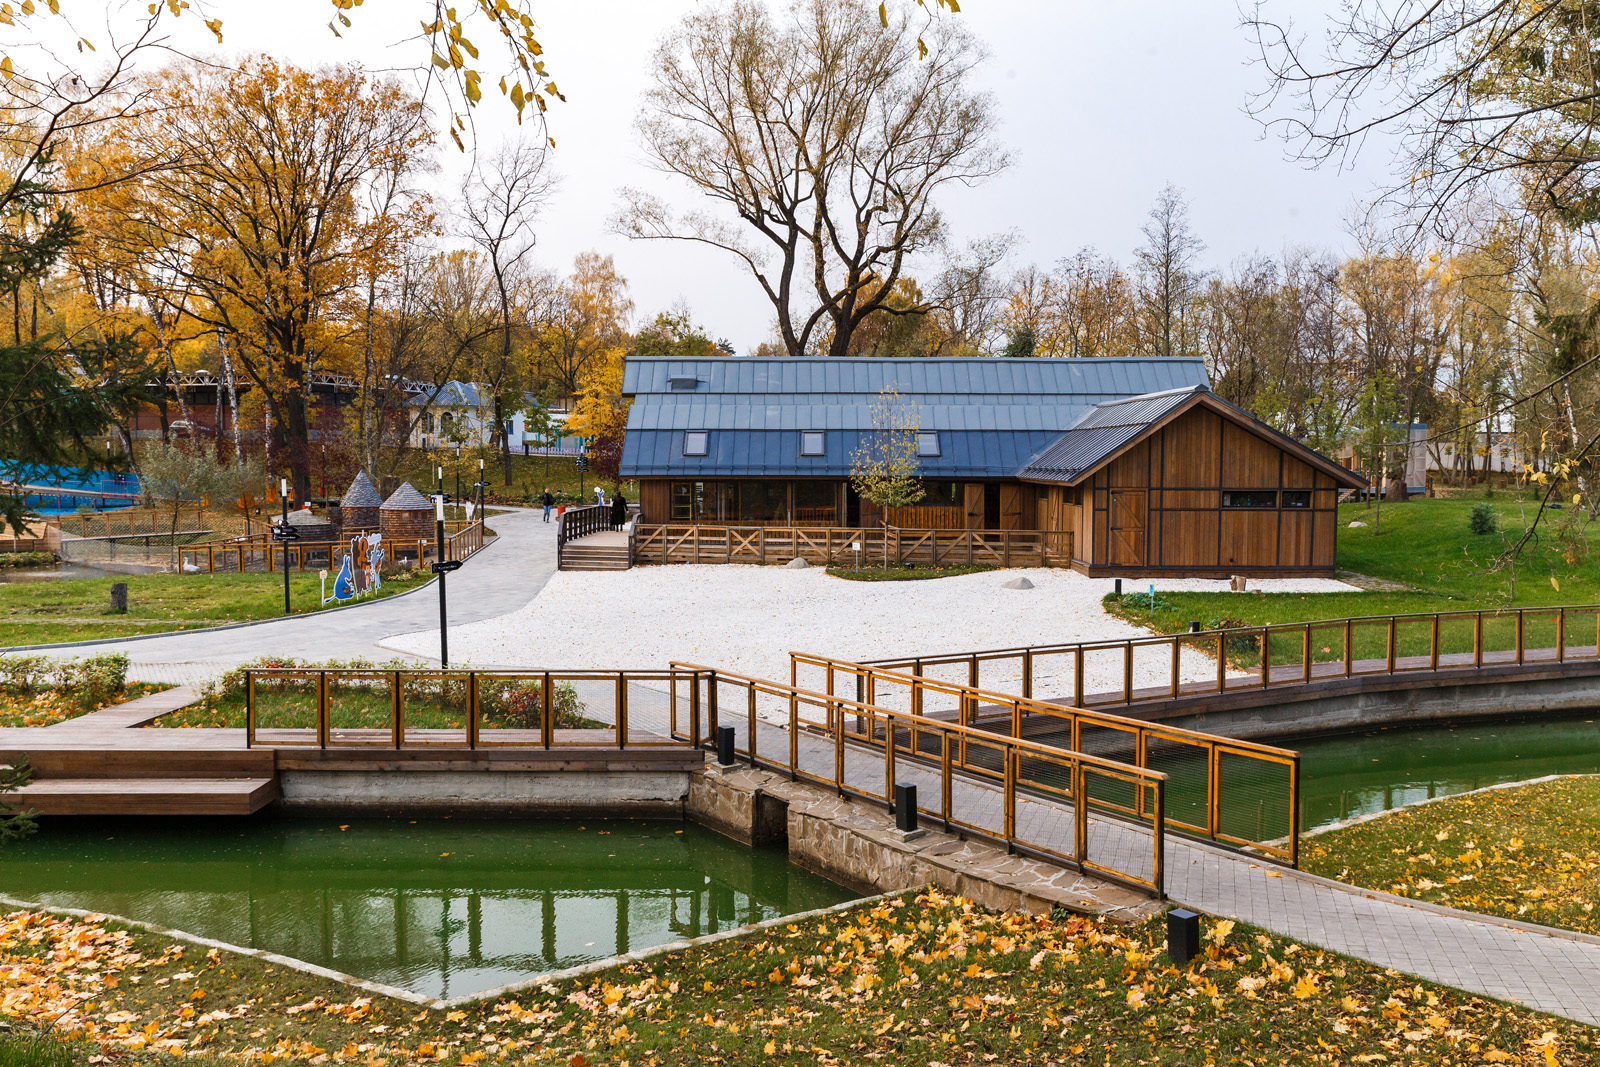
[(1349, 647), (1175, 651), (1477, 640), (1222, 661), (1561, 635), (1027, 673), (322, 709), (1519, 637), (1077, 677), (1433, 644), (547, 710), (1266, 657), (1391, 643), (396, 732), (1127, 673), (1305, 655)]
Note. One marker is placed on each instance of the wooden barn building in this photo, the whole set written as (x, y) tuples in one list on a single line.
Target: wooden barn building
[(1132, 465)]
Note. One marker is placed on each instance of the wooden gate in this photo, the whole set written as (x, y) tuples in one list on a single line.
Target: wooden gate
[(1127, 528)]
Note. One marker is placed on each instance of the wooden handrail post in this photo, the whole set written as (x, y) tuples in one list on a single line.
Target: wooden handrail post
[(1477, 640), (472, 709), (1519, 637), (1127, 673), (1011, 798), (1561, 635), (1213, 791), (249, 708), (1158, 831), (751, 728), (944, 778), (1080, 812), (1349, 647), (1027, 673), (621, 701), (1222, 662), (1391, 643), (1077, 677), (322, 709), (1305, 655), (548, 716), (1294, 811), (1266, 657), (1175, 650), (396, 735), (836, 717)]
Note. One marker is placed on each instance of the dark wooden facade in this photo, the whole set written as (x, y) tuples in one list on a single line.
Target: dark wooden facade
[(1201, 494)]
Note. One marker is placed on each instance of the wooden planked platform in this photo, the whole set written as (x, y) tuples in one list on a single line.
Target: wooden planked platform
[(147, 796)]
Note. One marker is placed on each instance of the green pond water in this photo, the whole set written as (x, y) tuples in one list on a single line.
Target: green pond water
[(1365, 773), (444, 907)]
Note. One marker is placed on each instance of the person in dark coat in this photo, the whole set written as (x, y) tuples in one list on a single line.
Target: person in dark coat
[(619, 511)]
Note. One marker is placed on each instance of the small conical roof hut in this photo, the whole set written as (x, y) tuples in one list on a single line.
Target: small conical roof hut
[(406, 516), (358, 508)]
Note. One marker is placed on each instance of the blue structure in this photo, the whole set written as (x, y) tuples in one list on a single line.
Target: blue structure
[(58, 490)]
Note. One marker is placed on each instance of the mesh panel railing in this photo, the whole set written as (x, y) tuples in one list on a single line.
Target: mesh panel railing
[(1218, 788), (1071, 807)]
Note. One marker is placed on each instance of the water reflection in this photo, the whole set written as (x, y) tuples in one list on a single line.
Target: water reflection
[(442, 907)]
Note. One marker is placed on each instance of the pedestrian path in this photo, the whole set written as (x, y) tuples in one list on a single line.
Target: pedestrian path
[(496, 580)]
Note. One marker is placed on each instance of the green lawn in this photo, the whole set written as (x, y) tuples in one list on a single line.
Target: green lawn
[(1531, 852), (529, 476), (908, 574), (1428, 561), (78, 609), (923, 979)]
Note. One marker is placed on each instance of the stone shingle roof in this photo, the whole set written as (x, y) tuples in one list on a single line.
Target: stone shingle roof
[(406, 498), (362, 493)]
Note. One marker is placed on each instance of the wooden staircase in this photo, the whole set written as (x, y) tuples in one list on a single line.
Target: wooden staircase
[(142, 782), (594, 555)]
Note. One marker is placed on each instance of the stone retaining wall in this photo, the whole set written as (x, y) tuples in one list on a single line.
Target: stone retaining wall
[(857, 845)]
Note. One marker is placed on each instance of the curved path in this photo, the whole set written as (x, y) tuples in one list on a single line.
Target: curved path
[(499, 579)]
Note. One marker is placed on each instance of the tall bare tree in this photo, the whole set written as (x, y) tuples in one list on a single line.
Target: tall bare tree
[(502, 197), (821, 143), (1169, 275)]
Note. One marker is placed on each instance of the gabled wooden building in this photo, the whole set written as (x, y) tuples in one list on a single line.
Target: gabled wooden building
[(1185, 483), (1132, 465)]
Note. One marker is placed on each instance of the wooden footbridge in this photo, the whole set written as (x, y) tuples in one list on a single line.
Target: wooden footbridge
[(1094, 780)]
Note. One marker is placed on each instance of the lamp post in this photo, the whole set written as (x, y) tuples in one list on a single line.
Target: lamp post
[(283, 495), (444, 632)]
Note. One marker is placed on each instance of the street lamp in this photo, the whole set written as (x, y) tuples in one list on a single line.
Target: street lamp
[(283, 495), (439, 566)]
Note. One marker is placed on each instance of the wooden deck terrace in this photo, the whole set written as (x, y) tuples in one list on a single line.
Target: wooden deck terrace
[(206, 771)]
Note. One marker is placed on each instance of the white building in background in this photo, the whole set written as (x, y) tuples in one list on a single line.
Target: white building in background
[(463, 413), (1504, 454)]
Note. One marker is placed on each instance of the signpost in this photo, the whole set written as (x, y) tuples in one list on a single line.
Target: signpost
[(283, 533)]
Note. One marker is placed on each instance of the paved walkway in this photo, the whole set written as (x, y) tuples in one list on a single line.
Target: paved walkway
[(499, 579)]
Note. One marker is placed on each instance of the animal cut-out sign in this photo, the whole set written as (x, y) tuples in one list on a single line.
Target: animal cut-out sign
[(359, 573)]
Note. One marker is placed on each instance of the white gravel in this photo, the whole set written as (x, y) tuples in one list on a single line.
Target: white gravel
[(747, 619)]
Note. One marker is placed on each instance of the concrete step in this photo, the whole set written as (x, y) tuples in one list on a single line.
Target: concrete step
[(146, 796)]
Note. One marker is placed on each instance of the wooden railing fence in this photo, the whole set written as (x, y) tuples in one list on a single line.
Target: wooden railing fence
[(1285, 654), (673, 543), (1220, 776), (259, 554)]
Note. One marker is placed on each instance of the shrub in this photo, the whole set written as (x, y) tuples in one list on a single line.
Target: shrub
[(520, 705), (93, 682), (1483, 519), (1143, 602)]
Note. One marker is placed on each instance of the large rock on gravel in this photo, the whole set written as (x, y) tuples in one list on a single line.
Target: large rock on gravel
[(1018, 583), (797, 564)]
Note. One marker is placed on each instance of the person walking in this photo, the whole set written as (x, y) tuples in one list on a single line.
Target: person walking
[(548, 499), (619, 511)]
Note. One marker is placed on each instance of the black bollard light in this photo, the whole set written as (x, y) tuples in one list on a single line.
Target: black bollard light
[(725, 745), (905, 808), (1118, 588), (1183, 936), (1194, 626)]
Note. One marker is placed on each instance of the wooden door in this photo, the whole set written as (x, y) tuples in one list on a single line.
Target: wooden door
[(1127, 527), (1011, 507), (973, 500)]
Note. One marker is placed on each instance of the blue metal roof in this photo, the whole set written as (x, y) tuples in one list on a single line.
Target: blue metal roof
[(991, 414)]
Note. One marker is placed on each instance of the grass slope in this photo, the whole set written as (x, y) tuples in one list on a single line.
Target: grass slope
[(1424, 545), (77, 609), (920, 980), (1531, 852)]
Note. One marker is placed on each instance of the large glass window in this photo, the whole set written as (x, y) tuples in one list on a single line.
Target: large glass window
[(1297, 498), (763, 502), (688, 501), (1249, 498), (816, 503)]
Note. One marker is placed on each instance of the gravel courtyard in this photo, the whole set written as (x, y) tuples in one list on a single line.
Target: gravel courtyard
[(747, 619)]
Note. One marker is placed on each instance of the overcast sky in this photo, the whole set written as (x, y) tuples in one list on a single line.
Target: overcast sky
[(1101, 104)]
